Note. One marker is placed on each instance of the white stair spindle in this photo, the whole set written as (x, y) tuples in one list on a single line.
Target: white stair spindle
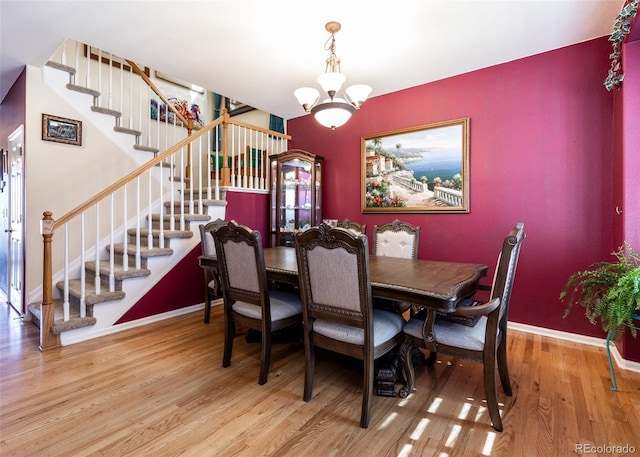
[(161, 212), (200, 184), (110, 81), (182, 222), (190, 159), (65, 303), (83, 271), (99, 101), (208, 160), (88, 83), (125, 237), (138, 215), (131, 97), (97, 251), (150, 214), (112, 281)]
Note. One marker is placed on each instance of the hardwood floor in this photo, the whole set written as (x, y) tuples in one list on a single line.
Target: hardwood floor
[(159, 390)]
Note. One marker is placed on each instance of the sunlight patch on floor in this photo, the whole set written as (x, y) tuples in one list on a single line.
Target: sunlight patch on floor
[(435, 405), (405, 451), (388, 420), (464, 412), (488, 444), (453, 436), (420, 428), (480, 413)]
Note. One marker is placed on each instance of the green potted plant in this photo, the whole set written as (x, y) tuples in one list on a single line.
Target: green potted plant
[(609, 291)]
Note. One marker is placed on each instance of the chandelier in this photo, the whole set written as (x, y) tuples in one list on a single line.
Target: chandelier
[(333, 111)]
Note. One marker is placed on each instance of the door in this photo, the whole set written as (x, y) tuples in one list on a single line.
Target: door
[(15, 251)]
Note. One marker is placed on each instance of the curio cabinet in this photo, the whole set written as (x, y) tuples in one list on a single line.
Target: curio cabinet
[(296, 195)]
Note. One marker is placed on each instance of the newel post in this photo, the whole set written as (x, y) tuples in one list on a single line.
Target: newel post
[(47, 311), (226, 172)]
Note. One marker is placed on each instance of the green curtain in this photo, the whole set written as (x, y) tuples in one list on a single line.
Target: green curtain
[(217, 112), (276, 123)]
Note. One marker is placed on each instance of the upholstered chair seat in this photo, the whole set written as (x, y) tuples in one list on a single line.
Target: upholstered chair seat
[(248, 300), (450, 334), (486, 341), (338, 314)]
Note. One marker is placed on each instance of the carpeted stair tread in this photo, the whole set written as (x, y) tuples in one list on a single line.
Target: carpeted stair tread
[(91, 298), (187, 217), (144, 251), (126, 130), (119, 273), (60, 325), (142, 147), (144, 232), (196, 202), (107, 111), (83, 90), (62, 67)]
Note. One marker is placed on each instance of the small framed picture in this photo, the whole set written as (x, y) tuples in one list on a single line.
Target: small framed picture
[(61, 130)]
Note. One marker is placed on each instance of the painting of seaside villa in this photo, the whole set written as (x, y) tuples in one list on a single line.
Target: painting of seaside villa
[(419, 169)]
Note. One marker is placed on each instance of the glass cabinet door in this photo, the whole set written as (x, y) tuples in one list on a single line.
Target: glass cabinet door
[(295, 195)]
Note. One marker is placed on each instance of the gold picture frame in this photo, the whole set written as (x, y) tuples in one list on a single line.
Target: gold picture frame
[(61, 130), (421, 169)]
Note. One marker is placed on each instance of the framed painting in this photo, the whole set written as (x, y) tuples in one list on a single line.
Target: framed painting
[(422, 169), (61, 130), (234, 107)]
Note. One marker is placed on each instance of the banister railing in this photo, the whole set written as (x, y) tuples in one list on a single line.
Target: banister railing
[(200, 165), (142, 187)]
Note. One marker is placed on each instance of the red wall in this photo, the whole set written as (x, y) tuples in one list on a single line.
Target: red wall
[(627, 109), (540, 152)]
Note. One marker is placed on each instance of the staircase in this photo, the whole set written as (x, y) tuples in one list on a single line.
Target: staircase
[(145, 223), (77, 294)]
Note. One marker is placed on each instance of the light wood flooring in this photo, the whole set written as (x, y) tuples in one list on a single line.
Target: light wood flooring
[(160, 390)]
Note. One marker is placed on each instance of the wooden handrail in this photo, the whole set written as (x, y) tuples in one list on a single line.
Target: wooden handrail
[(143, 75), (135, 173)]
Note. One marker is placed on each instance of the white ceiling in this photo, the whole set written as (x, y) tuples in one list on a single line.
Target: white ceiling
[(260, 51)]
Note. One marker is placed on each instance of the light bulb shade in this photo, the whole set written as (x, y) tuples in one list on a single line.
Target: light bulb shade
[(331, 81), (358, 93), (306, 96), (333, 114)]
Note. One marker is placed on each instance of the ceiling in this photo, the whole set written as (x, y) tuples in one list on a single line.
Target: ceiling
[(260, 51)]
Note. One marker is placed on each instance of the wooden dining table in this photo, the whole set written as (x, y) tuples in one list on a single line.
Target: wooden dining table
[(423, 283)]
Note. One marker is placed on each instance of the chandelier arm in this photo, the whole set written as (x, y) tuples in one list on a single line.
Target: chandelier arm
[(334, 111)]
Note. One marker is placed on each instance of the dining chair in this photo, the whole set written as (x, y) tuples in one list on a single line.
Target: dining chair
[(247, 299), (333, 267), (396, 239), (353, 226), (211, 276), (486, 342)]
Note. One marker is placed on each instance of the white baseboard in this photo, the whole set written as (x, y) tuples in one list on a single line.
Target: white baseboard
[(68, 338), (622, 363)]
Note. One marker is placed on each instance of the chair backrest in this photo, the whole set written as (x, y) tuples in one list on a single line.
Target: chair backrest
[(333, 267), (206, 236), (354, 227), (506, 271), (396, 239), (241, 265)]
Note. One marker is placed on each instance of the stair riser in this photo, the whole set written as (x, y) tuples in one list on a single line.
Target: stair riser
[(155, 225), (144, 241), (90, 285), (118, 259), (74, 302)]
